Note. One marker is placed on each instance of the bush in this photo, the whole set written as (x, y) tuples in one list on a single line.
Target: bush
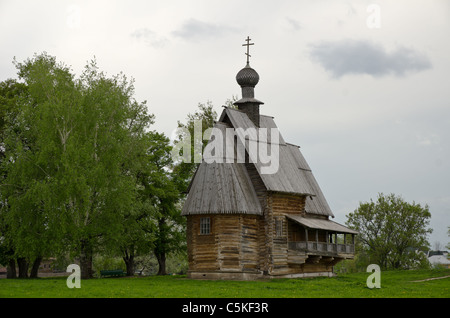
[(107, 262)]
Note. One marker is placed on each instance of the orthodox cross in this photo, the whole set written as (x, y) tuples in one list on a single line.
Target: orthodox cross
[(248, 46)]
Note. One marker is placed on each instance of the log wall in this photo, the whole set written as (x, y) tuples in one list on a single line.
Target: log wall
[(241, 243), (282, 261), (233, 245), (202, 249), (280, 204)]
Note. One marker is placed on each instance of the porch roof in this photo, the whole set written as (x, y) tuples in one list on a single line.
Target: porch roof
[(321, 224)]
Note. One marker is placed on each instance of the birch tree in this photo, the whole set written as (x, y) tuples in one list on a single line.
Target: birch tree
[(70, 183)]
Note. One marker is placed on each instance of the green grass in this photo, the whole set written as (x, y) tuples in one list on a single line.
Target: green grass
[(396, 284)]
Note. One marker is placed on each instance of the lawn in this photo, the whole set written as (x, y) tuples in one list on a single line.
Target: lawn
[(395, 284)]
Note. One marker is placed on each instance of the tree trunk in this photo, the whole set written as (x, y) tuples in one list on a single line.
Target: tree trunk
[(161, 257), (129, 262), (23, 267), (161, 245), (11, 269), (35, 267), (86, 261)]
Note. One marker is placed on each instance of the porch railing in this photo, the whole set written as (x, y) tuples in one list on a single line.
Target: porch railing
[(322, 247)]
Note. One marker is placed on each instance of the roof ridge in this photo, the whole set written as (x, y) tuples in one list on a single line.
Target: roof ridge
[(267, 116), (291, 144)]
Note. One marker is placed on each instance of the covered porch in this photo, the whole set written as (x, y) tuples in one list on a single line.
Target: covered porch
[(320, 237)]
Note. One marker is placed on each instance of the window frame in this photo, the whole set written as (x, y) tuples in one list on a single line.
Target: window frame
[(279, 227), (205, 225)]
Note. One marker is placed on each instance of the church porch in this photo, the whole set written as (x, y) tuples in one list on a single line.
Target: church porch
[(318, 241)]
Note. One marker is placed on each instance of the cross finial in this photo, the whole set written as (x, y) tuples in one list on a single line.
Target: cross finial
[(248, 46)]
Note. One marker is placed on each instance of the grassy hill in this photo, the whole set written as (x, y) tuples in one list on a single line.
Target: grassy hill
[(398, 284)]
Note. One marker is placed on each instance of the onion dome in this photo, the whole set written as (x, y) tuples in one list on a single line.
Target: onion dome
[(247, 77)]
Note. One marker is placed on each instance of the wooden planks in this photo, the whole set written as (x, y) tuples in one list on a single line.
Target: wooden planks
[(283, 203), (233, 245), (202, 249), (228, 242)]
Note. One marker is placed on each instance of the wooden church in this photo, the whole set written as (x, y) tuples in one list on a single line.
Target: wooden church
[(245, 224)]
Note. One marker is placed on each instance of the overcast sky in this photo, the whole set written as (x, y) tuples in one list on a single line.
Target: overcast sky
[(362, 86)]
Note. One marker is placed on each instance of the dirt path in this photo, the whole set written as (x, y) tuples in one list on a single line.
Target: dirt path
[(425, 280)]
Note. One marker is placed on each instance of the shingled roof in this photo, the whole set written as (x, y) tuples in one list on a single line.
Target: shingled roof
[(288, 178), (227, 187), (221, 188), (316, 204)]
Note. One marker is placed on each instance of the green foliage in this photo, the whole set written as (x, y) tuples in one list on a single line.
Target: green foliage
[(74, 150), (347, 266), (158, 217), (176, 263), (11, 92), (102, 262), (393, 233), (206, 115)]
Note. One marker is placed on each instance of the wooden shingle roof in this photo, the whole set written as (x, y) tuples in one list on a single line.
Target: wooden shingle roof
[(227, 188), (321, 224), (316, 204), (288, 178), (221, 188)]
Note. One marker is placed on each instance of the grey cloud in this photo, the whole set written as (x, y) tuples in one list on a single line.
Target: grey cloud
[(363, 57), (195, 29), (149, 37)]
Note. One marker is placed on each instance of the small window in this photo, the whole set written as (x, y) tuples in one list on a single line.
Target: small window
[(205, 226), (278, 227)]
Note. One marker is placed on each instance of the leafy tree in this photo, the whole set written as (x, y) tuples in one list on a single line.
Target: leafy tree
[(206, 115), (154, 188), (132, 240), (391, 231), (68, 177), (161, 218), (11, 92)]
